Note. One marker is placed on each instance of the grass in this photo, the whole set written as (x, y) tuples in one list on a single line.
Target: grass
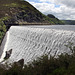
[(11, 5)]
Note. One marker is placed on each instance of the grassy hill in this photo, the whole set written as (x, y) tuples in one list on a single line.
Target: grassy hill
[(69, 22), (54, 19), (20, 12)]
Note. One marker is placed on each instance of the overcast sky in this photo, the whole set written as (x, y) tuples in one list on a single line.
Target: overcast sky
[(62, 9)]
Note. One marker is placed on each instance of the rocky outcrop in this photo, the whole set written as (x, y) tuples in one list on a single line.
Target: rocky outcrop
[(20, 63), (8, 54)]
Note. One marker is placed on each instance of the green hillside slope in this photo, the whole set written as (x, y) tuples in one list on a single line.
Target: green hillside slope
[(68, 22), (54, 19)]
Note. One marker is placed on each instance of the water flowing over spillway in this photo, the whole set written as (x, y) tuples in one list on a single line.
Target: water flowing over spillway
[(29, 43)]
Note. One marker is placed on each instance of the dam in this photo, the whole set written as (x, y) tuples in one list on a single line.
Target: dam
[(30, 42)]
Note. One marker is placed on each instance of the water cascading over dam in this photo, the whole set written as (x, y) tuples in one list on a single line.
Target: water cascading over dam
[(28, 43)]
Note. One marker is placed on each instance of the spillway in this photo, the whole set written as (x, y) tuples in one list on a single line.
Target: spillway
[(28, 43)]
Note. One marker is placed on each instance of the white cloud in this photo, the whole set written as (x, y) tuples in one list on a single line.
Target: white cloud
[(47, 1), (66, 9), (70, 3)]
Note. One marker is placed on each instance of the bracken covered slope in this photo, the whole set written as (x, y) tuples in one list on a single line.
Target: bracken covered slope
[(22, 12)]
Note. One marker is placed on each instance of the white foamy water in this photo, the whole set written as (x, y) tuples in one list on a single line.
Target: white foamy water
[(3, 46), (28, 43)]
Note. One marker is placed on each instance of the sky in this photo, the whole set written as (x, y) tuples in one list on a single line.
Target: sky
[(62, 9)]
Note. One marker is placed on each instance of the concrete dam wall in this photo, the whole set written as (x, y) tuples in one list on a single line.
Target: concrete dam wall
[(28, 43)]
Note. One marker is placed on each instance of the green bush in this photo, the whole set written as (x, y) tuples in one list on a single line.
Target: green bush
[(2, 29)]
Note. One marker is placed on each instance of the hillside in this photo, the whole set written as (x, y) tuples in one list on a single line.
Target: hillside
[(54, 19), (20, 12), (69, 22)]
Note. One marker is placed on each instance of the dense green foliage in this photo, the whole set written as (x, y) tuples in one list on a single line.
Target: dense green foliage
[(2, 29), (63, 65)]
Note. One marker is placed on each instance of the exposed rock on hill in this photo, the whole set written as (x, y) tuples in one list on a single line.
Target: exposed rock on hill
[(8, 54)]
